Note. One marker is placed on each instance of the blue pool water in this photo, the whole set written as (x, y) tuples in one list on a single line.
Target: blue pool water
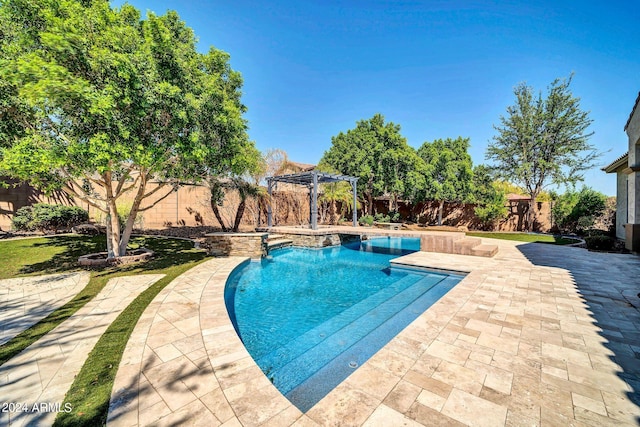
[(309, 317)]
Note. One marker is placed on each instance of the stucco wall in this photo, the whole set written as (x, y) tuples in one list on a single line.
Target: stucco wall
[(621, 204), (633, 201)]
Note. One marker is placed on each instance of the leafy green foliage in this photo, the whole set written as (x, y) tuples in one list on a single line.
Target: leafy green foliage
[(449, 174), (600, 242), (43, 217), (380, 217), (543, 141), (575, 211), (97, 95), (490, 199), (376, 153), (244, 179), (366, 220)]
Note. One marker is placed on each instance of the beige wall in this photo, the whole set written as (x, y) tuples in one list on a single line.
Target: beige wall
[(15, 197), (190, 206)]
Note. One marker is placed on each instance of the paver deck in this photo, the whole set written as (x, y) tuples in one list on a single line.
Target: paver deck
[(538, 335), (44, 371), (24, 301)]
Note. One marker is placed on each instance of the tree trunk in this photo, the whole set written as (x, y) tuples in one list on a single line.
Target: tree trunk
[(239, 213), (532, 214), (216, 212), (114, 221), (440, 208), (133, 213), (109, 241), (332, 212)]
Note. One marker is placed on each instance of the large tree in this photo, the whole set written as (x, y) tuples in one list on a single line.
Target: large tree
[(106, 102), (449, 171), (490, 199), (376, 153), (542, 141)]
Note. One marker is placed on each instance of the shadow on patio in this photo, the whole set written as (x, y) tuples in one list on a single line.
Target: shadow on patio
[(609, 285)]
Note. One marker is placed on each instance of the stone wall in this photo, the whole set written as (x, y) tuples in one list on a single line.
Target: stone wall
[(318, 240), (253, 245)]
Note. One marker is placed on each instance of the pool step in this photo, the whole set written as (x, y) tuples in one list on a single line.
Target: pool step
[(286, 377), (320, 383), (283, 355), (303, 265), (276, 241)]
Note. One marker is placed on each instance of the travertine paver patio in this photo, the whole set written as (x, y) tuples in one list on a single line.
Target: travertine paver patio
[(44, 371), (24, 301), (538, 335)]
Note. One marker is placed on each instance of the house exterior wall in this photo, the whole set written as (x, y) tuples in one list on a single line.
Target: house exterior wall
[(633, 194), (621, 204)]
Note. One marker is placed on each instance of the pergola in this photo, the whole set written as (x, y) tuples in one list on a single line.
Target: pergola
[(311, 179)]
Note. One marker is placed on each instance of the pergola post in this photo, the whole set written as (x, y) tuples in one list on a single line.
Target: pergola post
[(314, 202), (310, 188), (311, 179), (355, 201), (269, 185)]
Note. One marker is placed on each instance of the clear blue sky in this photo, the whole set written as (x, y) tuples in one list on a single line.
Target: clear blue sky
[(437, 68)]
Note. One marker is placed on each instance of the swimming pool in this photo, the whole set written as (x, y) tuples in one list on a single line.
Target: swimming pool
[(309, 317)]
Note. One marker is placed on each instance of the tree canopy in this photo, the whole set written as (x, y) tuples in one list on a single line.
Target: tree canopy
[(449, 171), (102, 102), (542, 141), (489, 196), (376, 153)]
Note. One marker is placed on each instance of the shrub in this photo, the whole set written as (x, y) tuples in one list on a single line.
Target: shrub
[(379, 217), (43, 217), (600, 242), (577, 211), (394, 216), (584, 223), (366, 220)]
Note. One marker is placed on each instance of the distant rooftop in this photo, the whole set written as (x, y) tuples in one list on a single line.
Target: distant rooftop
[(513, 197)]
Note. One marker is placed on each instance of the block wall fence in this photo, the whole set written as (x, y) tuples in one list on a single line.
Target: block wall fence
[(190, 206)]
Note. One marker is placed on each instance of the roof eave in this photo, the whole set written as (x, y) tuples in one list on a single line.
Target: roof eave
[(617, 163), (633, 110)]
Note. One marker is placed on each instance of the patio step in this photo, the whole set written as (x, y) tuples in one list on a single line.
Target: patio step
[(485, 250), (457, 244), (465, 245)]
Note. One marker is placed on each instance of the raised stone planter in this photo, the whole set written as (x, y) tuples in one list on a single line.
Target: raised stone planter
[(100, 259), (253, 245)]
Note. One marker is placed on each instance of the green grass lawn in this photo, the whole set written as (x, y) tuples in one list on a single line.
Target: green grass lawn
[(525, 237), (90, 392)]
